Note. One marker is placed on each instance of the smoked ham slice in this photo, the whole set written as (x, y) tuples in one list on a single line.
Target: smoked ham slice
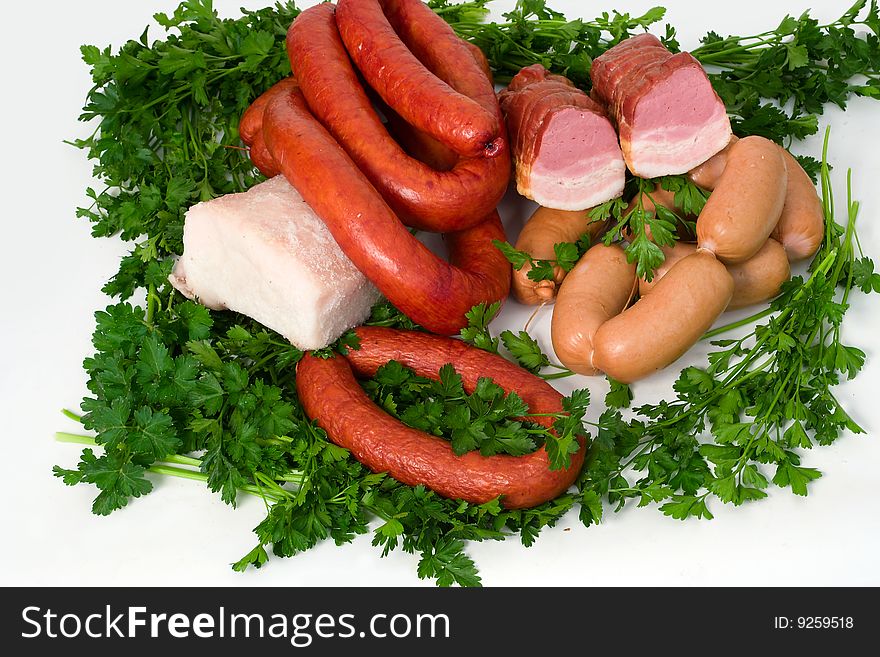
[(668, 116), (564, 147), (266, 254)]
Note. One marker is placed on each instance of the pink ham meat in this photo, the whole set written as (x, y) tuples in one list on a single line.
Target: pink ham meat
[(668, 116), (564, 147)]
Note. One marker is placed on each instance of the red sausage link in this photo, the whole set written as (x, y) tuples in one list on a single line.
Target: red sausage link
[(250, 128), (442, 52), (331, 396), (416, 25), (431, 292), (421, 196), (420, 97), (261, 158), (251, 125), (419, 145)]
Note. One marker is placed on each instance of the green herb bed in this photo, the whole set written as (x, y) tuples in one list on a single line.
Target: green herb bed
[(176, 389)]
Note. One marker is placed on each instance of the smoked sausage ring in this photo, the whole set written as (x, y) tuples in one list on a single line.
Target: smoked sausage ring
[(425, 101), (431, 292), (332, 397), (424, 198)]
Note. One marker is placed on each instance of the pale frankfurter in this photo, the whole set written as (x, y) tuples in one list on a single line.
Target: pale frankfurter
[(756, 280), (706, 175), (801, 226), (599, 287), (746, 204), (661, 327)]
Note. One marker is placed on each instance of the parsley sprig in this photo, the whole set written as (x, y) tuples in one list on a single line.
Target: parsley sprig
[(488, 420), (800, 64), (532, 33), (647, 230), (567, 254), (521, 346), (165, 116)]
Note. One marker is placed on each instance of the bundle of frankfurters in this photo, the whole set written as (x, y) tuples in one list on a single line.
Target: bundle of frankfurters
[(763, 210), (390, 122)]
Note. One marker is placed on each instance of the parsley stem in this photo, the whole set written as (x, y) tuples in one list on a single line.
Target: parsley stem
[(750, 320), (728, 383), (79, 439), (182, 460), (556, 375), (152, 300), (70, 414), (183, 473), (75, 439), (292, 476)]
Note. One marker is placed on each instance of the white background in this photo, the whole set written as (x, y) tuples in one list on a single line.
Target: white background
[(52, 271)]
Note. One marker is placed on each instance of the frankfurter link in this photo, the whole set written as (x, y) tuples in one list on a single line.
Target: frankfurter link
[(420, 97), (600, 287), (544, 229), (747, 202), (801, 225), (758, 279), (661, 327), (671, 255), (429, 291), (423, 197), (332, 397), (706, 175)]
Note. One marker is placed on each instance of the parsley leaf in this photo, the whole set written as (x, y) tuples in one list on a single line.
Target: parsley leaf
[(477, 332)]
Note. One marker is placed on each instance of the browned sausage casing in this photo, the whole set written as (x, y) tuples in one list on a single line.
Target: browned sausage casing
[(429, 291), (423, 197), (747, 202), (420, 97), (660, 328), (441, 58), (544, 229), (330, 395)]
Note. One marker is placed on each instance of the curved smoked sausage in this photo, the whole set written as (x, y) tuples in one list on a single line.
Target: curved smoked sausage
[(330, 395)]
